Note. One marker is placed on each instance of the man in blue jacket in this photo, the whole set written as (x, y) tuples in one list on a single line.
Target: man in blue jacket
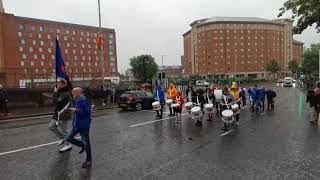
[(81, 124), (262, 97), (159, 96)]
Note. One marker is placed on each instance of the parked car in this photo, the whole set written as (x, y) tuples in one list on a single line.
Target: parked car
[(137, 100), (280, 80), (288, 82)]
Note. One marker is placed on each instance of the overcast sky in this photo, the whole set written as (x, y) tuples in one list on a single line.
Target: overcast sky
[(148, 26)]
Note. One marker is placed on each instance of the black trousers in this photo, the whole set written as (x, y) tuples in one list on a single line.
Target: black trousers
[(172, 111), (270, 104), (244, 102), (161, 111)]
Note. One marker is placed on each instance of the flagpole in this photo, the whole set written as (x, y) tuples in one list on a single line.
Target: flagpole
[(101, 49)]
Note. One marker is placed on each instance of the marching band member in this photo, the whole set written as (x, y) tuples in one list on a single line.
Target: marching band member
[(178, 110), (171, 94), (199, 100), (226, 103), (159, 96), (237, 96), (190, 93), (210, 99), (243, 97)]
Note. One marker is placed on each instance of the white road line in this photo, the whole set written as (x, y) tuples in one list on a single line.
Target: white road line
[(31, 147), (149, 122), (223, 134)]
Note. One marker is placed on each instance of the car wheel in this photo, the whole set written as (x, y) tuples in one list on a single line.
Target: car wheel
[(124, 108), (138, 106)]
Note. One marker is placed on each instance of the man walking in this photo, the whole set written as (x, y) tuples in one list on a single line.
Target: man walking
[(81, 124), (59, 124)]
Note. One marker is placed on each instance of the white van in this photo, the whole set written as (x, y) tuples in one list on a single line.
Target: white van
[(202, 83), (288, 82)]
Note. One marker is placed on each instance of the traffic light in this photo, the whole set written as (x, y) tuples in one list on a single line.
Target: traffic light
[(163, 75), (159, 75)]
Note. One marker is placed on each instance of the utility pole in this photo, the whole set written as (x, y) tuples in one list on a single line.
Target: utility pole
[(144, 68), (319, 65), (101, 49)]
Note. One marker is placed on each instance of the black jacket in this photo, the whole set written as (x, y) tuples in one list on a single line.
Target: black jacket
[(60, 100)]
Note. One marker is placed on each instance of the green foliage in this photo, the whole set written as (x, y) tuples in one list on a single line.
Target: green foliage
[(273, 66), (145, 72), (310, 64), (293, 66), (306, 11)]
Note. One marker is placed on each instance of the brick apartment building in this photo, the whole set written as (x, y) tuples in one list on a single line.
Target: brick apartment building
[(223, 46), (27, 50), (172, 71)]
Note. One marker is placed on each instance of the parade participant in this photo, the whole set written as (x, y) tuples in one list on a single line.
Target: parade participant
[(315, 103), (226, 103), (62, 101), (171, 94), (178, 110), (199, 100), (270, 95), (190, 93), (159, 96), (210, 99), (237, 96), (81, 124), (243, 97), (262, 98)]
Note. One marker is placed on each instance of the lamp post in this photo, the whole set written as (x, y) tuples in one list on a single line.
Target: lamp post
[(101, 49)]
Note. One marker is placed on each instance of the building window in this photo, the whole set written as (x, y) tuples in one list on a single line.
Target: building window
[(74, 45), (248, 44), (39, 36), (19, 34), (83, 58), (111, 58), (67, 31), (88, 40), (74, 32), (74, 51), (68, 44), (75, 57), (53, 57), (110, 36), (89, 63), (35, 56), (49, 37), (82, 33), (51, 44), (82, 45), (24, 56), (31, 63), (88, 34), (43, 56), (58, 31), (65, 38), (66, 51), (40, 49), (41, 28), (42, 63), (20, 49), (41, 43), (23, 42), (89, 46), (67, 63), (33, 28), (89, 58), (82, 64), (31, 49), (49, 50), (21, 63), (95, 52), (21, 27), (36, 70), (97, 58), (96, 64)]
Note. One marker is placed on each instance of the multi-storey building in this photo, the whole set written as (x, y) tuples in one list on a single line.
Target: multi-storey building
[(27, 50), (242, 46)]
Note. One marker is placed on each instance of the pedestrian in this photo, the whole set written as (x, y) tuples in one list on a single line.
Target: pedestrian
[(108, 96), (81, 125), (315, 103), (243, 97), (4, 101), (171, 94), (178, 110), (59, 124), (262, 97), (113, 93), (103, 94), (159, 96), (237, 96), (270, 96)]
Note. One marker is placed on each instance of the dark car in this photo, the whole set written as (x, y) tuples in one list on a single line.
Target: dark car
[(137, 100)]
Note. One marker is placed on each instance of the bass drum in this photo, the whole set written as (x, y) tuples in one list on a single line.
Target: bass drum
[(227, 116)]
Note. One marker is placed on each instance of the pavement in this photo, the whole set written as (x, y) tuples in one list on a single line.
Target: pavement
[(133, 145)]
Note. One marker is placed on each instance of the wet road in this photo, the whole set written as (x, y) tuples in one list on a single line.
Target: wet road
[(276, 145)]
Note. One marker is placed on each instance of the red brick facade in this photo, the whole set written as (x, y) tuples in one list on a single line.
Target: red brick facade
[(298, 51), (27, 50), (240, 47)]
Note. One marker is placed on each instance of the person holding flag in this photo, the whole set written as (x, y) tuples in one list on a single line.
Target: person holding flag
[(62, 101)]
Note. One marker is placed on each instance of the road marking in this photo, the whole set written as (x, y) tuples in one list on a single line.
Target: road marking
[(223, 134), (32, 147), (149, 122)]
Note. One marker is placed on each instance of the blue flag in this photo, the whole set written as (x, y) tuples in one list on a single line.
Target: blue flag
[(60, 66)]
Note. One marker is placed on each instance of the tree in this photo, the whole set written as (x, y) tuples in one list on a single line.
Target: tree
[(144, 67), (310, 64), (306, 11), (293, 66), (273, 67)]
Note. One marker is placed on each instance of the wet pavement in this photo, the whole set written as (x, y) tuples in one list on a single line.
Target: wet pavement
[(132, 145)]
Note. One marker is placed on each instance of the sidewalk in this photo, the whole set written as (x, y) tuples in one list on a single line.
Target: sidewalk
[(40, 111)]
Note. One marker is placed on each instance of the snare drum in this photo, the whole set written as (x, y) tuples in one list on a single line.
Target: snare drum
[(175, 105), (235, 108), (156, 105), (208, 108), (169, 102), (196, 112), (188, 106), (227, 116)]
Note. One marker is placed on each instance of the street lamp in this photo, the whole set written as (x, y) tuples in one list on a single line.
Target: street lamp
[(101, 49)]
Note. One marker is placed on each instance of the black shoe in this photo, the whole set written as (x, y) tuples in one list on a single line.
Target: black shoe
[(200, 123), (209, 119), (157, 116), (86, 164), (81, 151), (160, 117)]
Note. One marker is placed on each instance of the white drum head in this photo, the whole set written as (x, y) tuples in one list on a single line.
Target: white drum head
[(188, 104), (156, 103), (235, 106), (196, 109), (208, 106), (175, 105), (227, 113)]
